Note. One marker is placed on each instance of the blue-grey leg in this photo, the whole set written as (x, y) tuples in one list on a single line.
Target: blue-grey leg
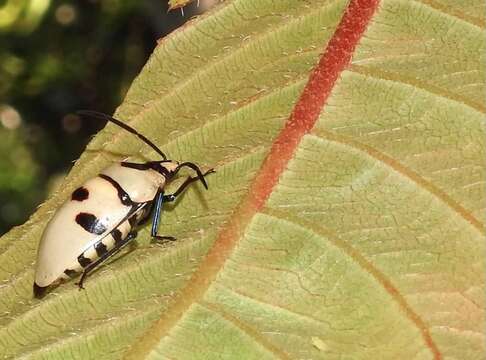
[(160, 198)]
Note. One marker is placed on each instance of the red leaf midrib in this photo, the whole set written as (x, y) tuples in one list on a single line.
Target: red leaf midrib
[(335, 59)]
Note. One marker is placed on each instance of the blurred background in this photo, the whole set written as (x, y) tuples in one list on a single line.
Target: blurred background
[(57, 57)]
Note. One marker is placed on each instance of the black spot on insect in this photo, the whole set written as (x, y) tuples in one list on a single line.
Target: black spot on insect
[(133, 221), (90, 223), (69, 272), (144, 216), (122, 194), (101, 249), (80, 194), (39, 291), (117, 235), (83, 261)]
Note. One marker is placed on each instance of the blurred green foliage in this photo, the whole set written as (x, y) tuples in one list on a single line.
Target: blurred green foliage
[(57, 57), (18, 176)]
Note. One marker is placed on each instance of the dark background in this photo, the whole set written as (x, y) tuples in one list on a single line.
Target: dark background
[(66, 56)]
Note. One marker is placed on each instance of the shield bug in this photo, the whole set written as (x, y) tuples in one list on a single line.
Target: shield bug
[(102, 215)]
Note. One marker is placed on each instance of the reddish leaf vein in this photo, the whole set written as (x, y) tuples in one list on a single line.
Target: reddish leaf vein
[(335, 59)]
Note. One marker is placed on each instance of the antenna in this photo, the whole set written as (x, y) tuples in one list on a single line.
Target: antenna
[(98, 115)]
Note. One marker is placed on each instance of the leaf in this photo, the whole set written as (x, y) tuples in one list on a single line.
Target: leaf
[(344, 220), (176, 4)]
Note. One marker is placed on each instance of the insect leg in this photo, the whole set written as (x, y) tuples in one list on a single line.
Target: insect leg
[(198, 171), (157, 209), (185, 184), (160, 199), (118, 246)]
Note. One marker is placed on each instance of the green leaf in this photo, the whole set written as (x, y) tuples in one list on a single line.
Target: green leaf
[(345, 216)]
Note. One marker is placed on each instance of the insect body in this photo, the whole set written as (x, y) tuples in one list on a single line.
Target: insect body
[(101, 216)]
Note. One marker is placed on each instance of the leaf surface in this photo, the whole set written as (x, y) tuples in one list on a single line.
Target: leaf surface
[(176, 4), (344, 219)]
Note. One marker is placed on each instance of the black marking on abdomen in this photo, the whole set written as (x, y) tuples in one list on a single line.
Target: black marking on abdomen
[(145, 214), (39, 291), (69, 272), (101, 249), (133, 220), (117, 235), (80, 194), (83, 261), (90, 223), (122, 194)]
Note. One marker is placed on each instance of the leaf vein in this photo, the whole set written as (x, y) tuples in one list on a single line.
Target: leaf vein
[(367, 266), (247, 329), (408, 173)]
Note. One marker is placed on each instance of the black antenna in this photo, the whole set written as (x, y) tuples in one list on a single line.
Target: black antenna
[(128, 128)]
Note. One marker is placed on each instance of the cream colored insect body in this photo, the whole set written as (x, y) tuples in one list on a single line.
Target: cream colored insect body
[(102, 215)]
